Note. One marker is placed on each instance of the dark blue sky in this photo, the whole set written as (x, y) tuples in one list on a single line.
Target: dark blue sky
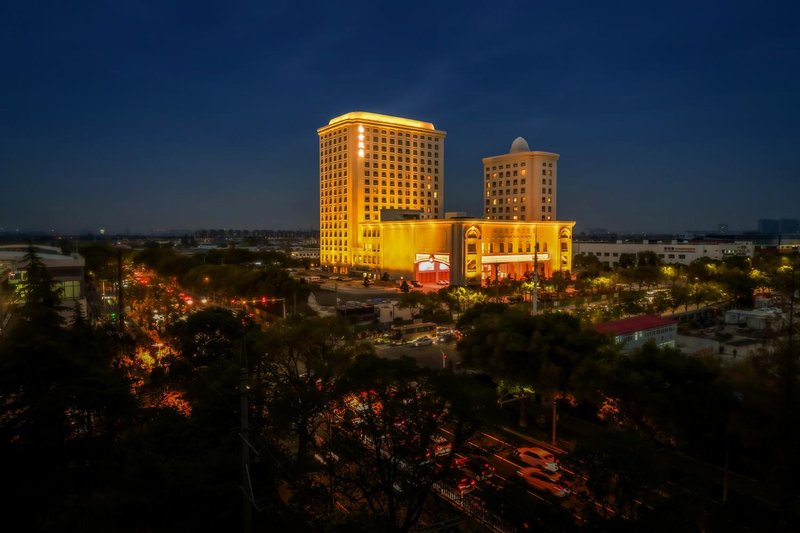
[(141, 115)]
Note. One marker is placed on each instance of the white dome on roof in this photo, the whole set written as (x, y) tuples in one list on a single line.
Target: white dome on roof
[(519, 145)]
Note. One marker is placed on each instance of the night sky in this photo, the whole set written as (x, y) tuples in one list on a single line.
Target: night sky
[(134, 115)]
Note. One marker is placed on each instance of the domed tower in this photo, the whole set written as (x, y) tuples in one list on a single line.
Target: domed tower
[(520, 185)]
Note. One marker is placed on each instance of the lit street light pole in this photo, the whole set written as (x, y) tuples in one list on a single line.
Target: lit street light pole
[(535, 291)]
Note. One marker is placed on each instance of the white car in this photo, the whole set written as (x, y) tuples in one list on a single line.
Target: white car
[(537, 457), (423, 341), (545, 481)]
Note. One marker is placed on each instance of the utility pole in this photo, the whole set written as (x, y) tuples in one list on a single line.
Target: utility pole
[(120, 307), (535, 292), (788, 397), (247, 496)]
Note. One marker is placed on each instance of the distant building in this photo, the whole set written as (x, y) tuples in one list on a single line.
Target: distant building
[(634, 332), (779, 227), (67, 271), (311, 254), (756, 319), (683, 252), (512, 183)]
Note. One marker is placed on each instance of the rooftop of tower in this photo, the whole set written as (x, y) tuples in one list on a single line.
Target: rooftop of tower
[(386, 119), (519, 145)]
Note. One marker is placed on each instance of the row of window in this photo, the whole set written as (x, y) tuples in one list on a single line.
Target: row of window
[(508, 192), (408, 151), (490, 184), (401, 184), (647, 334), (374, 173), (365, 130), (435, 194), (508, 174), (616, 254), (399, 201), (508, 165), (431, 214), (508, 209), (365, 138), (400, 166), (507, 217), (508, 200)]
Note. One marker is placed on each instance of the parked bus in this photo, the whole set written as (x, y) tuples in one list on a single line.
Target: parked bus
[(411, 332)]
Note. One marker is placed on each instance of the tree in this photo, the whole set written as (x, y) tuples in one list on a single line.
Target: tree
[(63, 405), (648, 259), (677, 399), (680, 295), (621, 471), (305, 358), (627, 261), (561, 281), (41, 296), (389, 435), (587, 266), (210, 334), (525, 353), (413, 300)]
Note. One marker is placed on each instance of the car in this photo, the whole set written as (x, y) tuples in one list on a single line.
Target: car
[(445, 338), (416, 283), (440, 445), (443, 282), (478, 466), (539, 457), (545, 481), (422, 341), (460, 481)]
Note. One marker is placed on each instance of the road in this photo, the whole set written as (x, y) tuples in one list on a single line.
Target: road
[(428, 356)]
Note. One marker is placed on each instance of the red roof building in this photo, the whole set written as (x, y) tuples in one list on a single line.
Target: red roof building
[(633, 332)]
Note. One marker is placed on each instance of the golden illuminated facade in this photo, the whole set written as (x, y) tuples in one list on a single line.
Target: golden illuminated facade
[(368, 163), (520, 185), (382, 207), (467, 251)]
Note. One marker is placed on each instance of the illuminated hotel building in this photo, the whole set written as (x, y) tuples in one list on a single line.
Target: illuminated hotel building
[(513, 182), (382, 207), (367, 163)]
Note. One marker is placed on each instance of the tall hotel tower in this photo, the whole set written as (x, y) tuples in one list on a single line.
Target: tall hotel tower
[(512, 183), (368, 163)]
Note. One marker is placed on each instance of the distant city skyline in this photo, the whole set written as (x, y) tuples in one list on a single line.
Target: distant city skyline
[(132, 117)]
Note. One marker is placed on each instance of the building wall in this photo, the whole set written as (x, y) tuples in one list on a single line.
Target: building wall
[(472, 249), (663, 336), (67, 272), (674, 252), (521, 185), (370, 162)]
